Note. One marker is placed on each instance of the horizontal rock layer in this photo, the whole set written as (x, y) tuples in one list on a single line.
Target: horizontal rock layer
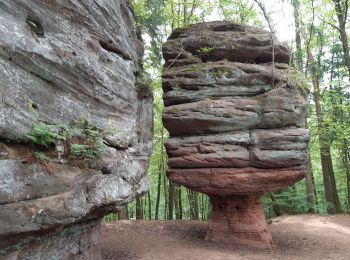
[(236, 181), (61, 61), (258, 148), (228, 109), (232, 96), (217, 41), (213, 80)]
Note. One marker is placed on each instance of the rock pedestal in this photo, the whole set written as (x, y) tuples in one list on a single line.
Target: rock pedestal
[(239, 220), (236, 118), (61, 63)]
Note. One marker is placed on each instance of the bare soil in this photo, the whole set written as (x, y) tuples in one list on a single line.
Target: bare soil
[(294, 237)]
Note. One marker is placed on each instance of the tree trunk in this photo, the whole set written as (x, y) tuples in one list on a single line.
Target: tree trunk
[(299, 52), (180, 203), (315, 191), (195, 206), (165, 186), (193, 202), (171, 200), (177, 202), (209, 208), (123, 213), (149, 205), (139, 212), (326, 160), (342, 14), (161, 168), (345, 159), (324, 147), (333, 183), (156, 213), (275, 206), (310, 197), (299, 61), (202, 206), (185, 8), (144, 208)]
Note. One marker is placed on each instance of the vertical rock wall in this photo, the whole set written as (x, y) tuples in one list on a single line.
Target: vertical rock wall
[(236, 122), (61, 61)]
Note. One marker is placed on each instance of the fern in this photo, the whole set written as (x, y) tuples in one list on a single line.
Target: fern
[(41, 156), (96, 150), (83, 139), (42, 134)]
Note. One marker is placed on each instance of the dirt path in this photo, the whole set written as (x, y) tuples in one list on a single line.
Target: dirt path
[(294, 237)]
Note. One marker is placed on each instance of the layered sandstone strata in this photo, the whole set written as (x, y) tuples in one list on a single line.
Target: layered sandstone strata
[(61, 61), (236, 118)]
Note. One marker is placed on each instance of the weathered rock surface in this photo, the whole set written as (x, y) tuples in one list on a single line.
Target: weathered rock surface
[(257, 148), (217, 41), (236, 119), (61, 61), (246, 217)]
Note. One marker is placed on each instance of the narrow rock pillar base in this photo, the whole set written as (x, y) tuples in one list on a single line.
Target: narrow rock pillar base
[(239, 220)]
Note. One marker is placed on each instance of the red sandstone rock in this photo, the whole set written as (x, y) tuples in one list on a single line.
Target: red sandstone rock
[(236, 181), (239, 220), (237, 129)]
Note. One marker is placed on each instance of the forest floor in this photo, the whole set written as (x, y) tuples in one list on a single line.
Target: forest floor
[(294, 237)]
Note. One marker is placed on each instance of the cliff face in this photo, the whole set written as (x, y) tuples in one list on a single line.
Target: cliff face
[(68, 68), (236, 122)]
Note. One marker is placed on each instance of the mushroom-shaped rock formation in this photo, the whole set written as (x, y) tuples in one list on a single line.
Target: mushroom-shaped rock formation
[(75, 128), (236, 118)]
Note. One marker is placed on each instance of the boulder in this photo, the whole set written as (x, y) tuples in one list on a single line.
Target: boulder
[(236, 118), (63, 62)]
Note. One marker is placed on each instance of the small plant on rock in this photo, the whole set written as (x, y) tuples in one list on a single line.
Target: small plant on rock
[(81, 139), (41, 156), (85, 140), (206, 49), (43, 135)]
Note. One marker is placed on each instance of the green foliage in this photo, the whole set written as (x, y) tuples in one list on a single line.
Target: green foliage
[(151, 15), (82, 139), (242, 12), (298, 79), (43, 135), (92, 150), (41, 156), (220, 72), (144, 80), (206, 50), (110, 217), (84, 127), (85, 140)]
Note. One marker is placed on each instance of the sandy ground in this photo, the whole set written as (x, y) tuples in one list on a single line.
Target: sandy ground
[(294, 237)]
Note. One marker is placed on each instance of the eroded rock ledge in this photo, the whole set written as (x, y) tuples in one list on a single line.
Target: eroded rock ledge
[(236, 118), (61, 61)]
